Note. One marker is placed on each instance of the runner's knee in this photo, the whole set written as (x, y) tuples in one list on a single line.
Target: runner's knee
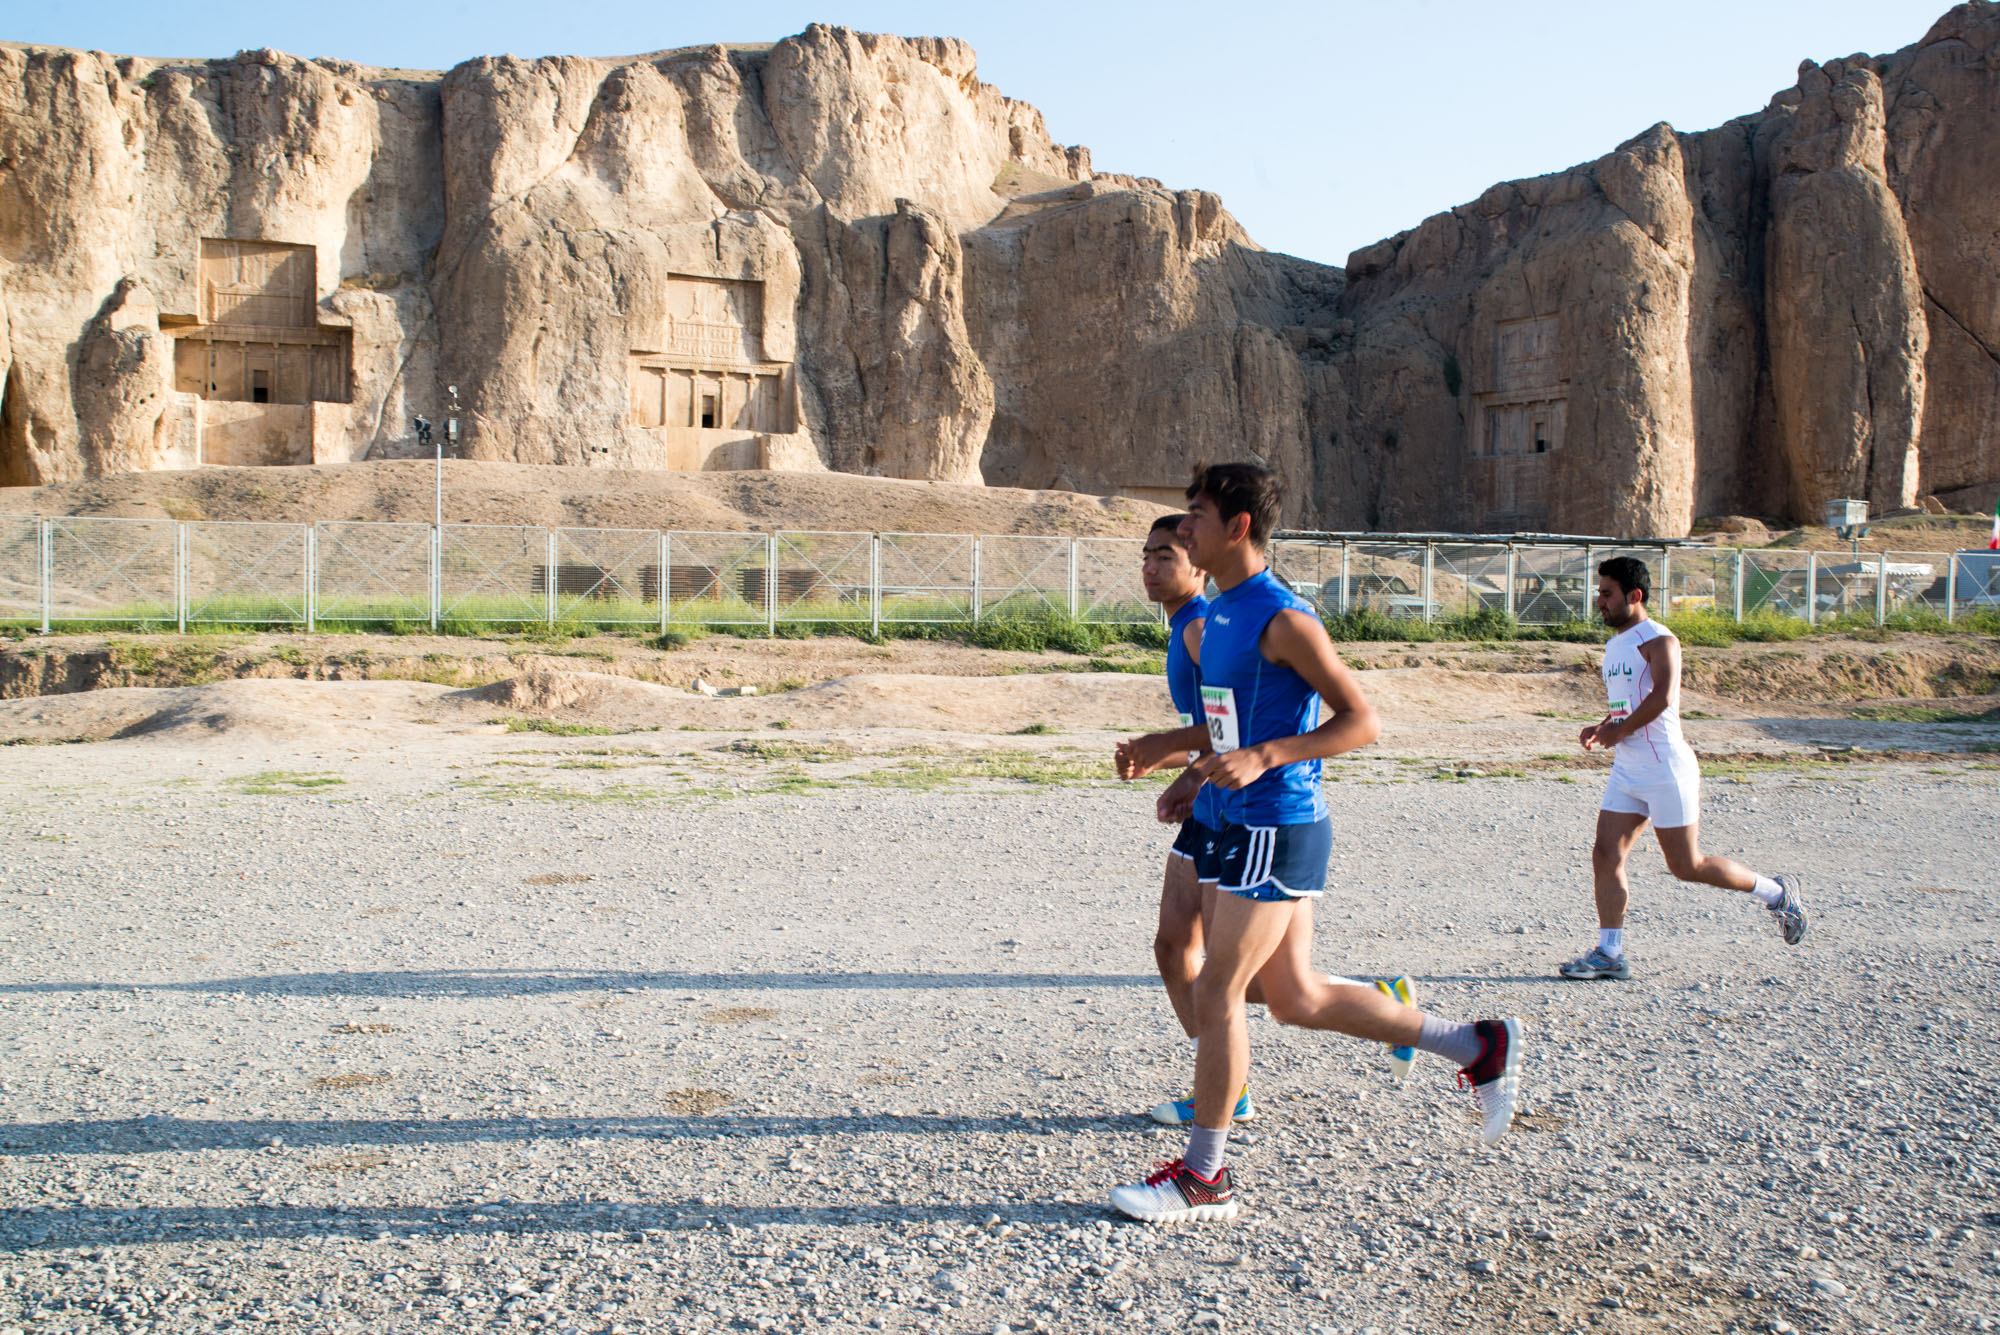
[(1684, 866)]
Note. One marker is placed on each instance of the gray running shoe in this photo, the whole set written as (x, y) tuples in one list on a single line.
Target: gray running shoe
[(1597, 964), (1791, 910)]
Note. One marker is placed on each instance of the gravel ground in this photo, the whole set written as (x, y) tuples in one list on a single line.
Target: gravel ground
[(370, 1048)]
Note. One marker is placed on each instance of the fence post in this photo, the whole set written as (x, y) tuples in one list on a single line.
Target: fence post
[(1343, 576), (977, 580), (47, 580), (180, 578), (771, 582), (1739, 583), (667, 578), (1430, 559), (549, 548), (1666, 581), (1513, 568), (311, 576), (1072, 579), (875, 585), (1812, 588), (437, 571), (1950, 591), (1881, 588)]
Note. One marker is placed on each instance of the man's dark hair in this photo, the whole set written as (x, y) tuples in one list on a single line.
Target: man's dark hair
[(1240, 489), (1171, 523), (1630, 573)]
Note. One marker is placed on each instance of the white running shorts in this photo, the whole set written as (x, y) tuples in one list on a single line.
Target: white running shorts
[(1667, 795)]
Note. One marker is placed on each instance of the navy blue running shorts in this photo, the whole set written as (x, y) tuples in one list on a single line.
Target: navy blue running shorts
[(1196, 843), (1270, 863)]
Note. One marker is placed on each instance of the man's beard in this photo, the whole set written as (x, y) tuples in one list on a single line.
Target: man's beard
[(1623, 622)]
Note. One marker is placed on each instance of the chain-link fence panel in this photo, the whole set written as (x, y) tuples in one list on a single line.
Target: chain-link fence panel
[(1023, 576), (718, 579), (1975, 582), (1917, 582), (1774, 583), (1553, 586), (825, 576), (113, 569), (1387, 578), (1846, 584), (487, 573), (925, 577), (247, 574), (1310, 568), (1696, 580), (20, 568), (371, 572), (604, 576), (1468, 578), (1109, 588)]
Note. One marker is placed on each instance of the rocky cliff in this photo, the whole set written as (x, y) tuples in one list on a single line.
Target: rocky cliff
[(844, 251)]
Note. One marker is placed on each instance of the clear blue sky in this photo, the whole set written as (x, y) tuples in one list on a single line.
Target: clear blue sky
[(1324, 127)]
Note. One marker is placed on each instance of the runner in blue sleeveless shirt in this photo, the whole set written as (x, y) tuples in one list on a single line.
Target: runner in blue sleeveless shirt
[(1175, 583), (1267, 666)]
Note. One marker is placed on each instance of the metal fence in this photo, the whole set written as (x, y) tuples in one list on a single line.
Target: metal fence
[(82, 571)]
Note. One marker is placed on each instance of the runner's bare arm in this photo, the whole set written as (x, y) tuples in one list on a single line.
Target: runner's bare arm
[(1663, 656), (1137, 757), (1298, 641), (1176, 804)]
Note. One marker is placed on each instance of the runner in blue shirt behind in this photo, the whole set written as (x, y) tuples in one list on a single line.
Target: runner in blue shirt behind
[(1266, 665)]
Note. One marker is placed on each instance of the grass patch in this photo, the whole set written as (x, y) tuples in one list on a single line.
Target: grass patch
[(1923, 714), (273, 782), (1031, 767), (1036, 730), (555, 729), (812, 753), (510, 790)]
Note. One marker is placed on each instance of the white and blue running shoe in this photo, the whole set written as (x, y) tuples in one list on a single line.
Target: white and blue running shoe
[(1596, 964), (1402, 989), (1791, 909), (1179, 1112)]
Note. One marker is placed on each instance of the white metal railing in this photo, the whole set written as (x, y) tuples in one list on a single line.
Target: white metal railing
[(84, 570)]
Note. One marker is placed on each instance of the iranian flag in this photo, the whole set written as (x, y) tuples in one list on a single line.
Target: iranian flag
[(1993, 543)]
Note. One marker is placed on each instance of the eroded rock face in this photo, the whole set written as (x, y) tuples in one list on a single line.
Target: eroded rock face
[(844, 251), (1843, 302)]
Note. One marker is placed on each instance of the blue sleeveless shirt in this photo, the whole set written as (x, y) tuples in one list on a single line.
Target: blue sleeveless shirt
[(1268, 701), (1184, 685)]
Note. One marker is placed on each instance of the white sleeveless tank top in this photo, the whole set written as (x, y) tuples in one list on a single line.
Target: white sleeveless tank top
[(1628, 680)]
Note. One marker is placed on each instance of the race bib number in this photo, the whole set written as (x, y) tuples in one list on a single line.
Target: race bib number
[(1219, 706), (1619, 709)]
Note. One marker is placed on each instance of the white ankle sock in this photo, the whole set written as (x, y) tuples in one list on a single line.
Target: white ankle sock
[(1611, 940), (1767, 892)]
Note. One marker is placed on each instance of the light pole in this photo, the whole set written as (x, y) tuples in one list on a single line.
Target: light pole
[(437, 513)]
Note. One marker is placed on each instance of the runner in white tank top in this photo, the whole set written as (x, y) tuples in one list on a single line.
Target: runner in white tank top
[(1654, 776)]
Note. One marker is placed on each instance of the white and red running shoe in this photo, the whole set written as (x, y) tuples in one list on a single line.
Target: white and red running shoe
[(1496, 1077), (1175, 1192)]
